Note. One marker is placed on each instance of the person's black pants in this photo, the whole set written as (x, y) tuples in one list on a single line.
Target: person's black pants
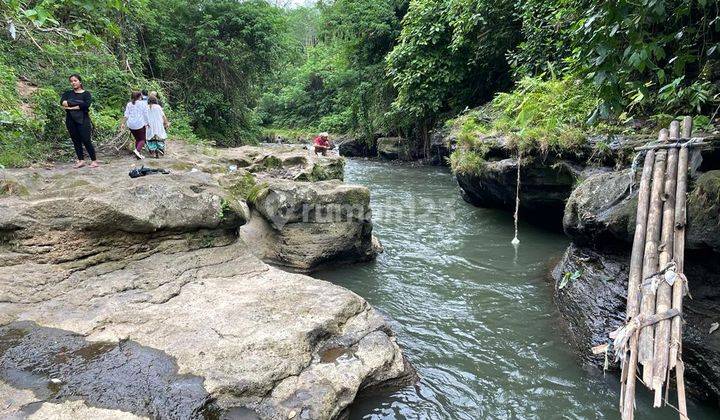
[(80, 135)]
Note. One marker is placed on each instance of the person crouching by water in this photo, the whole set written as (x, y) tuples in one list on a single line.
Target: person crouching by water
[(76, 103), (322, 144), (136, 119), (157, 123)]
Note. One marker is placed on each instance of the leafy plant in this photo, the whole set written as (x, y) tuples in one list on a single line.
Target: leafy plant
[(568, 277), (647, 54), (224, 210), (257, 192), (546, 114), (467, 162)]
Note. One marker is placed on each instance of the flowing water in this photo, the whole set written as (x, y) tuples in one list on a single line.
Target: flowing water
[(473, 315)]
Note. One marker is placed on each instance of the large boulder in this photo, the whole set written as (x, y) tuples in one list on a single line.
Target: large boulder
[(593, 304), (307, 225), (90, 216), (544, 187), (393, 148), (355, 147), (601, 209)]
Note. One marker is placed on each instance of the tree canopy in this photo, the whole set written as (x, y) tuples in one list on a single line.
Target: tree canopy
[(364, 67)]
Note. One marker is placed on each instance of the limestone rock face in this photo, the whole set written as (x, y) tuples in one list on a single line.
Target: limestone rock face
[(259, 337), (392, 148), (84, 217), (543, 187), (602, 209), (284, 161), (594, 305), (353, 147), (134, 298), (304, 225)]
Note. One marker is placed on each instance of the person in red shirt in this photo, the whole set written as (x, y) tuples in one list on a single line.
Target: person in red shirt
[(322, 144)]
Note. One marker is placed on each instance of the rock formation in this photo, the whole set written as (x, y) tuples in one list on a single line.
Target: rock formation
[(594, 304), (354, 147), (134, 298), (544, 187), (393, 148), (305, 225), (600, 219)]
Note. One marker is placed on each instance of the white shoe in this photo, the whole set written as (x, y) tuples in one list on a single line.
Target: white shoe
[(138, 155)]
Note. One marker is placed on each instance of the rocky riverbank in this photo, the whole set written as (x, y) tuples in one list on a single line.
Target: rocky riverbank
[(593, 304), (600, 219), (591, 194), (108, 282)]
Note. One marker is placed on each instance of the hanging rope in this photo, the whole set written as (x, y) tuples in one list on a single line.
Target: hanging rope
[(633, 171), (515, 240)]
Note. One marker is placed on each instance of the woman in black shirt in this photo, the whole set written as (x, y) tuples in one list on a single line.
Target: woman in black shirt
[(76, 103)]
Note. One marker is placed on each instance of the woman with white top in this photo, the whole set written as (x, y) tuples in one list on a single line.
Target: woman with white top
[(136, 119), (157, 123)]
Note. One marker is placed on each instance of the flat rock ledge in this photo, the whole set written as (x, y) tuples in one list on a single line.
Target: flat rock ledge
[(133, 298)]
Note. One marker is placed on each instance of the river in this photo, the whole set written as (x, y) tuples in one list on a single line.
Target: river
[(474, 315)]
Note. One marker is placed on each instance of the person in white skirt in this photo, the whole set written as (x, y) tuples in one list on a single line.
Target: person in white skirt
[(157, 124)]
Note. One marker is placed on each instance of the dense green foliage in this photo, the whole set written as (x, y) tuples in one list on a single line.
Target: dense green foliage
[(539, 115), (335, 79), (215, 56), (620, 61), (451, 54), (229, 68), (625, 60), (650, 55)]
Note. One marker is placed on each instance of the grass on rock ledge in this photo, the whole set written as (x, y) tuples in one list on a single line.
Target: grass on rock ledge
[(539, 115), (542, 116)]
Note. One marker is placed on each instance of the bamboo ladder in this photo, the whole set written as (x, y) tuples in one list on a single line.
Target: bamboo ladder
[(652, 336)]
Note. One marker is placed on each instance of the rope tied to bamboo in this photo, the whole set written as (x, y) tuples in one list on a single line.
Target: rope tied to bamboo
[(633, 171), (668, 274), (621, 336)]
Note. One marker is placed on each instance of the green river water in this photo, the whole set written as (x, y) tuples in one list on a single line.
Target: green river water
[(473, 315)]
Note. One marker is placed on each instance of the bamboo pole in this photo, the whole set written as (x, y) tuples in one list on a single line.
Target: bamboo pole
[(628, 398), (627, 388), (650, 263), (675, 357), (664, 291), (682, 402), (636, 257), (695, 141)]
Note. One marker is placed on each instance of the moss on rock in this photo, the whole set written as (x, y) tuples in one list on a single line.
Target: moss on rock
[(704, 211)]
